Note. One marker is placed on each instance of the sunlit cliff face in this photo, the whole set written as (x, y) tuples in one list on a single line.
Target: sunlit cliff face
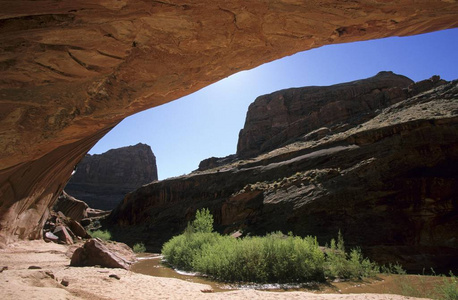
[(72, 70)]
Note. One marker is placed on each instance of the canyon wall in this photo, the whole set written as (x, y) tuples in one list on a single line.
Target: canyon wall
[(385, 177), (277, 119), (71, 70), (102, 180)]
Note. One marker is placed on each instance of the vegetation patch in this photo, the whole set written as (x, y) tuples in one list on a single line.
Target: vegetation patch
[(139, 248), (341, 265), (438, 287), (275, 258), (449, 289), (101, 234)]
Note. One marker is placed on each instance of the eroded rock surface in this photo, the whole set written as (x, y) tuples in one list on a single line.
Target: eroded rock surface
[(94, 253), (388, 183), (102, 180), (277, 119), (71, 70), (71, 207)]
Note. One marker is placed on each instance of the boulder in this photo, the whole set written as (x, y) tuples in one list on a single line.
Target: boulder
[(77, 229), (94, 253), (65, 282), (50, 237), (63, 234), (62, 226)]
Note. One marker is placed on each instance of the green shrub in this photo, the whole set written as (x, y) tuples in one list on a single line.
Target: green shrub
[(274, 258), (393, 269), (336, 259), (293, 258), (139, 248), (449, 289), (203, 221), (343, 266), (361, 267), (218, 260), (181, 249), (257, 259), (101, 234)]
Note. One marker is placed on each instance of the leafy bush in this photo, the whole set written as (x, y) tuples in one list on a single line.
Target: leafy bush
[(139, 248), (273, 258), (253, 259), (203, 221), (449, 289), (181, 249), (361, 267), (293, 258), (393, 269), (336, 259), (354, 266), (101, 234)]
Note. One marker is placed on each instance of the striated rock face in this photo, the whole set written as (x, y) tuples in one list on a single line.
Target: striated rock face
[(388, 183), (71, 70), (71, 207), (134, 165), (28, 189), (281, 117), (102, 180)]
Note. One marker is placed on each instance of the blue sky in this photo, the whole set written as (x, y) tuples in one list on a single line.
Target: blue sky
[(207, 123)]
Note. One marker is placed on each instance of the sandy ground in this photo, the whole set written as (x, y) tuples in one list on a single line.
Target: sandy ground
[(20, 282)]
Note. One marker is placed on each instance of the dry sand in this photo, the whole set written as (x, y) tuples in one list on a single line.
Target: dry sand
[(19, 282)]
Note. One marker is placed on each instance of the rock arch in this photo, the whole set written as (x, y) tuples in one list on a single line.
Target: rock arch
[(71, 70)]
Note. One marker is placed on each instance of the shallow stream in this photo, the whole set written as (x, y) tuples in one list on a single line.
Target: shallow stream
[(151, 264)]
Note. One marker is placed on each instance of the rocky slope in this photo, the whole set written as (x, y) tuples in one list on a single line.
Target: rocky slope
[(388, 183), (71, 70), (102, 180)]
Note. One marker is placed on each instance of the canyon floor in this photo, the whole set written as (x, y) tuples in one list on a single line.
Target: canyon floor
[(19, 281)]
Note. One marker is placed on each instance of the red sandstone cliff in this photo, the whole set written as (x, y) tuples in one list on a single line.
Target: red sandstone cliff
[(71, 70), (102, 180), (277, 119)]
